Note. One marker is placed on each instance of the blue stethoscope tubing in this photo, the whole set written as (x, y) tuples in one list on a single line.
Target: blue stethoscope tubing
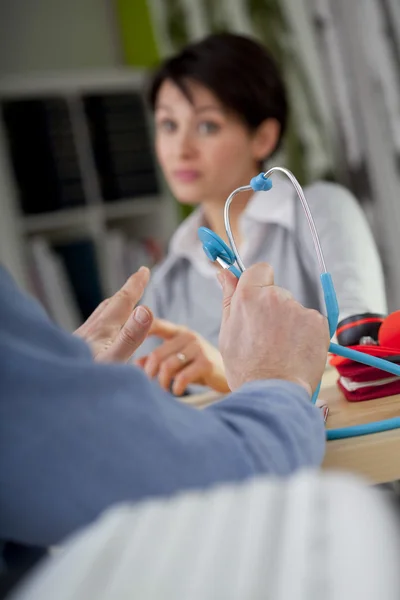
[(216, 250)]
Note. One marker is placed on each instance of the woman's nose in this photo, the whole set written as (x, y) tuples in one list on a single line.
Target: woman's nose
[(186, 145)]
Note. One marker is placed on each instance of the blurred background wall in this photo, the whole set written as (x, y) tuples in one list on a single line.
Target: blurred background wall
[(50, 35), (93, 206)]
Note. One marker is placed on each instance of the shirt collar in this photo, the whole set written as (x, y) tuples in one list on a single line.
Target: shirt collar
[(185, 242)]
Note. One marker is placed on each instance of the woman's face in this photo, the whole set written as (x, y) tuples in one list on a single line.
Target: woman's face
[(204, 151)]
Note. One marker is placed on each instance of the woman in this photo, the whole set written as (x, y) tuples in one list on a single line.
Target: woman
[(220, 111)]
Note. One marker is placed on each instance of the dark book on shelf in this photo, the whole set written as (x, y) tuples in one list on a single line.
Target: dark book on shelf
[(43, 154), (122, 145), (80, 261)]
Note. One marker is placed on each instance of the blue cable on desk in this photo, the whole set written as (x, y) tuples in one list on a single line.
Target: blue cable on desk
[(360, 357), (365, 359), (367, 428)]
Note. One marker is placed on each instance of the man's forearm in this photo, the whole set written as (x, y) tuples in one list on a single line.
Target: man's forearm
[(280, 428), (106, 434)]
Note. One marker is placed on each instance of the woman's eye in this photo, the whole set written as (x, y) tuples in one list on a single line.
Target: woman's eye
[(167, 125), (206, 127)]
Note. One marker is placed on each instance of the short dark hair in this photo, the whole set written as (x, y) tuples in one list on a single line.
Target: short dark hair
[(238, 70)]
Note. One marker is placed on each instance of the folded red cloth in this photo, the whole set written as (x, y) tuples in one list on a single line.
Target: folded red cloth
[(360, 382)]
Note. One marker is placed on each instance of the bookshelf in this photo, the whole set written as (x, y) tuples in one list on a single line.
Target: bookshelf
[(83, 177)]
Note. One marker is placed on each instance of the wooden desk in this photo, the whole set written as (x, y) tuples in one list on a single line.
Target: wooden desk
[(376, 457)]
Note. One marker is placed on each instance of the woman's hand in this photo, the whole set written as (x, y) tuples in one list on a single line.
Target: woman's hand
[(184, 358)]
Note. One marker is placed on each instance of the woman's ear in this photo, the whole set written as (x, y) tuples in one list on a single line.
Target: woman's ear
[(265, 139)]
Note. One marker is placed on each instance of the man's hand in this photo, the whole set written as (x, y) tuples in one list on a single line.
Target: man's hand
[(266, 334), (185, 357), (116, 328)]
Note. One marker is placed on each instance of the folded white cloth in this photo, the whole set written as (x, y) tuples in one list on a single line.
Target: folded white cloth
[(310, 537)]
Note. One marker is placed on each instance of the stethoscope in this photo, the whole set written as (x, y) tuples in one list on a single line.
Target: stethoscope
[(217, 250)]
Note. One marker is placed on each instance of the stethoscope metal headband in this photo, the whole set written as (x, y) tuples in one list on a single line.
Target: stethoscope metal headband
[(259, 184)]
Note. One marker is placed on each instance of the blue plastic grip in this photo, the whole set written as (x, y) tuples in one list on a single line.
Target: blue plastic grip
[(331, 303), (260, 184), (332, 312)]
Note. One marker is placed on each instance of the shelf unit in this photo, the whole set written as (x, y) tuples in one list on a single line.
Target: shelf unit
[(152, 214)]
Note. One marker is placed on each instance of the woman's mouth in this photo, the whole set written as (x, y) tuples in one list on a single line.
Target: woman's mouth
[(186, 175)]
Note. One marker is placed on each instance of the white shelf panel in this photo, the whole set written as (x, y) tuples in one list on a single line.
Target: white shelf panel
[(74, 82), (133, 207), (76, 217), (68, 218)]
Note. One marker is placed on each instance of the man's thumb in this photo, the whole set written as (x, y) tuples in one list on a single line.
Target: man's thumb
[(228, 283), (131, 336)]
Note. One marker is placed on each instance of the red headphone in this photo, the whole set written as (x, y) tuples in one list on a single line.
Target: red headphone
[(371, 329)]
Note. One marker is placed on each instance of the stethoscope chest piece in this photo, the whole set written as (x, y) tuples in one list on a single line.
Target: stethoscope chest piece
[(214, 247)]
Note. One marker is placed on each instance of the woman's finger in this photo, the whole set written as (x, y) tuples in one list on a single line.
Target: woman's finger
[(164, 329), (140, 362), (173, 364), (192, 373), (169, 348)]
